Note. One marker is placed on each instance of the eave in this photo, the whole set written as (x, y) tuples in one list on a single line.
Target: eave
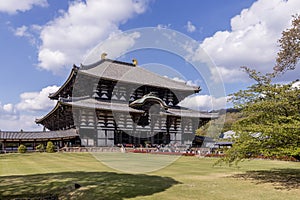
[(56, 94)]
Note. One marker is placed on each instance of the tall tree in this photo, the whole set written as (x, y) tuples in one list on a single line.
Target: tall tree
[(270, 123)]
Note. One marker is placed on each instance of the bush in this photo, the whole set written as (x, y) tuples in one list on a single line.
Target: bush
[(22, 149), (50, 147), (40, 148)]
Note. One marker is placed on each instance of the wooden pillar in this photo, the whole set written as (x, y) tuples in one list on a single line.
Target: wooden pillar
[(95, 129), (120, 134), (165, 138), (139, 138), (195, 123), (105, 130), (4, 146), (134, 131), (152, 138)]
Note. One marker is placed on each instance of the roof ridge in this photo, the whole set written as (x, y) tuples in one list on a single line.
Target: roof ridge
[(95, 64)]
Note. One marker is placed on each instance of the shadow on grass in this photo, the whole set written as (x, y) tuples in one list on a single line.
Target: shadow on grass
[(94, 185), (281, 179)]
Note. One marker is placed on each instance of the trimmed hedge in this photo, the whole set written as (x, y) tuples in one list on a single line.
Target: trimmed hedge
[(40, 148), (50, 147), (22, 149)]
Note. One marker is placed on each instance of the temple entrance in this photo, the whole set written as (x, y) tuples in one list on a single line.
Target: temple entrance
[(138, 139)]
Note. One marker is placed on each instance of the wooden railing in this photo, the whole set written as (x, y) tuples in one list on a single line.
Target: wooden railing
[(90, 149)]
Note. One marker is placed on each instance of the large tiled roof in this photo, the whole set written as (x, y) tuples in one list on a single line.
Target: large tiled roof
[(126, 72), (42, 135)]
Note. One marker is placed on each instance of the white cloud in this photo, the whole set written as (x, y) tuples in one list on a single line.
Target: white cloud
[(8, 112), (8, 108), (190, 27), (162, 26), (37, 101), (14, 6), (296, 85), (115, 45), (53, 60), (21, 31), (252, 40), (195, 83), (68, 38), (24, 122), (27, 32), (228, 75), (177, 79), (13, 119), (204, 102), (23, 114)]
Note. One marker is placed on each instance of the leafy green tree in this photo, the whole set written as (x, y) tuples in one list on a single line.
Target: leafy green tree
[(270, 123), (201, 131)]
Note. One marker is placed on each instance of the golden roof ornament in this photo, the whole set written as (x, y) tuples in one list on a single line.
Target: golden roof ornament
[(134, 62), (103, 56)]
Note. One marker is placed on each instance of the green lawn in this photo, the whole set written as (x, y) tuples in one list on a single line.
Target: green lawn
[(37, 175)]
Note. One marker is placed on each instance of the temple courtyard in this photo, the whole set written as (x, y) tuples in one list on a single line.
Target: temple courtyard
[(90, 176)]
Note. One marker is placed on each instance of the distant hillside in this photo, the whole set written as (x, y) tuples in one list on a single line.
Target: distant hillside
[(224, 123), (224, 111)]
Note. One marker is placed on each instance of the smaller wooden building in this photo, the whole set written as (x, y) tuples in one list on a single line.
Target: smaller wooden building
[(11, 140)]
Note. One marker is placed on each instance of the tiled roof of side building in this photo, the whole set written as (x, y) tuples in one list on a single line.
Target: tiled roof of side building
[(22, 135)]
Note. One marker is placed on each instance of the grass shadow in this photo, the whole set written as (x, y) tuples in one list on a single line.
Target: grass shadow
[(281, 179), (94, 185)]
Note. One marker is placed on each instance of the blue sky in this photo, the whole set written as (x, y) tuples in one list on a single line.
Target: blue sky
[(40, 40)]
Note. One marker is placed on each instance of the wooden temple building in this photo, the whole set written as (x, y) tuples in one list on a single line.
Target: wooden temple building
[(111, 102)]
